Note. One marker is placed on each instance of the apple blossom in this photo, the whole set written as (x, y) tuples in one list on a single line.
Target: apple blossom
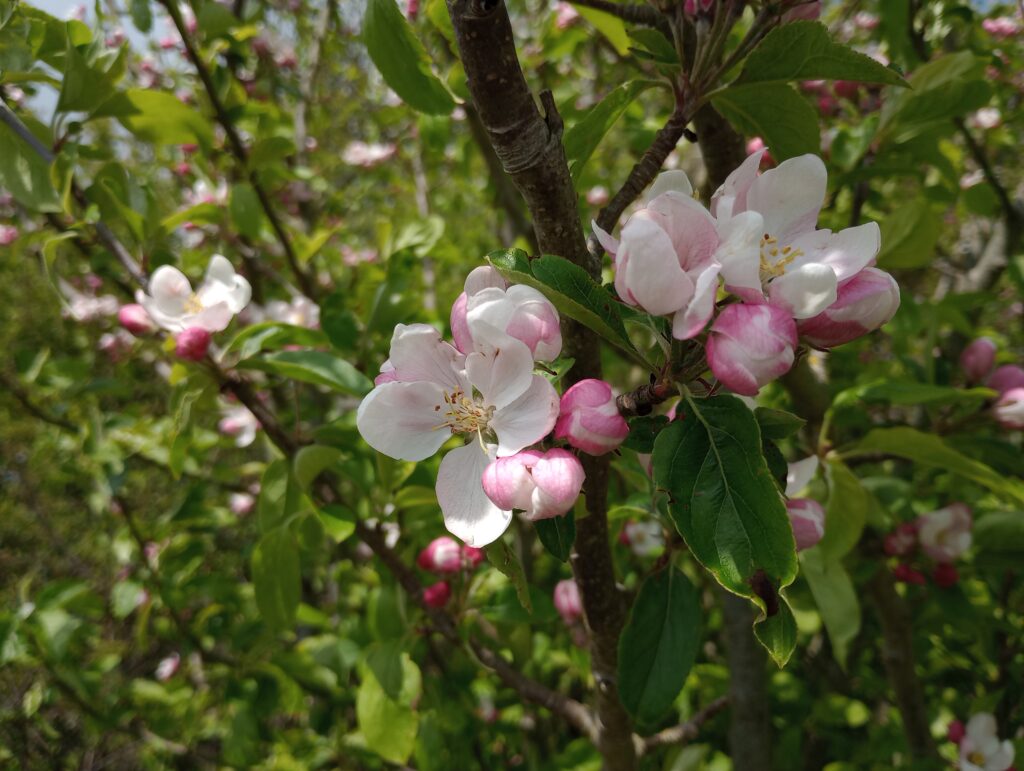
[(665, 256), (1001, 27), (808, 520), (192, 344), (480, 278), (240, 423), (173, 305), (437, 595), (864, 303), (203, 192), (589, 418), (520, 312), (134, 318), (770, 245), (85, 307), (442, 555), (598, 195), (472, 556), (567, 601), (167, 667), (1009, 410), (945, 534), (8, 235), (644, 538), (901, 541), (115, 344), (751, 345), (367, 155), (241, 503), (300, 311), (977, 359), (800, 473), (542, 485), (434, 392), (1006, 378), (981, 750), (565, 15)]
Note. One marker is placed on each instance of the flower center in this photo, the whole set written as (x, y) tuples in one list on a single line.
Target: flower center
[(193, 304), (976, 757), (462, 414), (773, 259)]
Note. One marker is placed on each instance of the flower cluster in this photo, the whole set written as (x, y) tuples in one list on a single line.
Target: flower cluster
[(977, 361), (980, 747), (446, 557), (483, 389), (943, 536), (786, 278)]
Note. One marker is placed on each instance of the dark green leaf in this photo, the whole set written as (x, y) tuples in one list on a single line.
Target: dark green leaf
[(142, 17), (895, 392), (278, 496), (557, 534), (656, 44), (500, 555), (776, 462), (1001, 531), (643, 431), (777, 424), (836, 598), (774, 111), (245, 210), (24, 174), (723, 498), (388, 725), (276, 579), (384, 660), (270, 334), (658, 645), (314, 367), (777, 633), (803, 50), (909, 235), (83, 87), (401, 59)]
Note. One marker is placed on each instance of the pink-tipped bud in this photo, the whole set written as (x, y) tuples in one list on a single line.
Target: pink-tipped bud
[(589, 418), (808, 520), (134, 318), (945, 575), (541, 485), (192, 344), (442, 555), (241, 503), (598, 195), (412, 9), (472, 556), (8, 235), (863, 304), (956, 731), (568, 602), (802, 9), (437, 595), (167, 667), (945, 534), (901, 541), (847, 89), (908, 575), (1009, 410), (1006, 378), (977, 359), (751, 345)]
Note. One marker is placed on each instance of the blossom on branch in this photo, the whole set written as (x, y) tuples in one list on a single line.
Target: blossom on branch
[(173, 305)]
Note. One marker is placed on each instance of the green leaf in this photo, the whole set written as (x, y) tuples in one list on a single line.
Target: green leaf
[(316, 367), (389, 725), (896, 392), (572, 292), (643, 430), (158, 117), (245, 209), (777, 424), (722, 496), (612, 27), (777, 633), (585, 135), (339, 523), (500, 555), (24, 174), (656, 44), (384, 660), (836, 598), (142, 17), (278, 496), (84, 87), (1001, 531), (909, 235), (311, 460), (928, 450), (849, 505), (658, 645), (803, 50), (557, 534), (402, 60), (270, 334), (276, 578), (775, 112)]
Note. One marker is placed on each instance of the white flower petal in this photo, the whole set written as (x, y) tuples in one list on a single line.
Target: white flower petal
[(400, 419), (790, 196), (653, 274), (981, 727), (731, 196), (689, 322), (674, 181), (847, 252), (800, 474), (468, 513), (212, 318), (528, 419), (606, 239), (739, 252), (419, 354), (503, 375), (170, 290), (805, 291)]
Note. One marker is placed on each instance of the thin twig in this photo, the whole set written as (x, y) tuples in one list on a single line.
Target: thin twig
[(685, 732)]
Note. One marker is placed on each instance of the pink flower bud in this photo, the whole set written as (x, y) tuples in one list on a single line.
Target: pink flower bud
[(167, 667), (863, 304), (808, 520), (977, 359), (541, 485), (945, 575), (437, 595), (1002, 27), (751, 345), (565, 16), (901, 541), (241, 503), (956, 731), (460, 327), (1006, 378), (472, 556), (412, 9), (567, 601), (866, 21), (598, 196), (945, 534), (847, 89), (134, 318), (8, 235), (589, 418), (908, 575), (442, 555), (191, 344), (1009, 410), (802, 9)]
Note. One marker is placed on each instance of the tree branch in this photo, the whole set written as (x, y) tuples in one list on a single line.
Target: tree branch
[(634, 13), (685, 732), (240, 153)]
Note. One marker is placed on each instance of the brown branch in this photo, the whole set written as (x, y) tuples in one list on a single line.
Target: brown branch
[(530, 150), (1011, 212), (641, 400), (634, 13), (239, 151), (685, 732)]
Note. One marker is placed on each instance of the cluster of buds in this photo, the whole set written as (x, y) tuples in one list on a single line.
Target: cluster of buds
[(444, 556), (943, 536), (977, 361)]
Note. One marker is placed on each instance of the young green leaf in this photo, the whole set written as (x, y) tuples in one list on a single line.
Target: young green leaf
[(316, 367), (557, 534), (500, 555), (836, 598), (276, 578), (774, 111)]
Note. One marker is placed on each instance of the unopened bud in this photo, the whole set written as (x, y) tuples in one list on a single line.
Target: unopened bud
[(191, 344), (589, 418)]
